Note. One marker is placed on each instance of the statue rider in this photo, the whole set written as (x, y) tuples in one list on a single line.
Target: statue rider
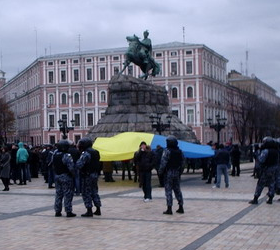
[(146, 48)]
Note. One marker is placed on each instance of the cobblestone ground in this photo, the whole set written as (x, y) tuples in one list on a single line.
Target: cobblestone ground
[(213, 218)]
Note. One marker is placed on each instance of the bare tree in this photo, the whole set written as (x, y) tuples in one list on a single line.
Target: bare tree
[(6, 121), (252, 117)]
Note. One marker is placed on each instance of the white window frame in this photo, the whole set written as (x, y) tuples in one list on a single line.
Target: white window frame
[(74, 97), (61, 98), (100, 96)]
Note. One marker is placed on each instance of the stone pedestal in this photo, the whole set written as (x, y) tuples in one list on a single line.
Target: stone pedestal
[(130, 103)]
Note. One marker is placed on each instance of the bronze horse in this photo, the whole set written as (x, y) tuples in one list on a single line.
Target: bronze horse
[(135, 55)]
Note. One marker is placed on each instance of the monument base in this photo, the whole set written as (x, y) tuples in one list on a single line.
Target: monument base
[(131, 102)]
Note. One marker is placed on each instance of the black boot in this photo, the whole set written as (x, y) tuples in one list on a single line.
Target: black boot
[(58, 214), (269, 201), (98, 211), (254, 201), (88, 213), (180, 210), (70, 214), (168, 211)]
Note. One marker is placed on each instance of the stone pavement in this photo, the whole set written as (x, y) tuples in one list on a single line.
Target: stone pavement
[(214, 218)]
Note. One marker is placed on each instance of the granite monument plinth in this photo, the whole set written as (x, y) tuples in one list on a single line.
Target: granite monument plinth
[(131, 102)]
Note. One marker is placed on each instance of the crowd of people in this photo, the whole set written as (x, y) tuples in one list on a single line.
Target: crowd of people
[(75, 169)]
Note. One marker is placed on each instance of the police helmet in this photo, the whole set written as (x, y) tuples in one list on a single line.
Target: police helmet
[(84, 143), (268, 142), (63, 145), (171, 141)]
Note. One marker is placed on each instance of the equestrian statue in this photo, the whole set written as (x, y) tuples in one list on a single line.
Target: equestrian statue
[(140, 53)]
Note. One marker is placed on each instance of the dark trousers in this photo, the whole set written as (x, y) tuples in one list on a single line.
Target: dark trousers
[(125, 165), (6, 182), (146, 184), (267, 178), (22, 173), (235, 166)]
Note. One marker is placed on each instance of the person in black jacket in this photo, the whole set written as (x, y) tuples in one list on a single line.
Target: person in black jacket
[(171, 167), (145, 159), (89, 166), (269, 161), (235, 160), (222, 158), (63, 166)]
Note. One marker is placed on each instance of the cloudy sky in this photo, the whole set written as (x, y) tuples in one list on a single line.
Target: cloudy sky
[(230, 27)]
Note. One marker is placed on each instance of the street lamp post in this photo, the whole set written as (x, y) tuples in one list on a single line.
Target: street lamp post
[(157, 123), (64, 128), (221, 123)]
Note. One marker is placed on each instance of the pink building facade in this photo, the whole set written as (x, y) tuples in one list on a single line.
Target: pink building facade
[(74, 86)]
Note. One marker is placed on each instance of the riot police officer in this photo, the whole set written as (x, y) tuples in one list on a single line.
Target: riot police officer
[(268, 160), (64, 171), (89, 166), (172, 166)]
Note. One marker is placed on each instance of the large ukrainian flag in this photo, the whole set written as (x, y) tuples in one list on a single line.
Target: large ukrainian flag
[(124, 145)]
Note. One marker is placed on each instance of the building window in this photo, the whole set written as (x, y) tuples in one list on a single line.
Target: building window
[(158, 54), (102, 73), (189, 92), (52, 139), (160, 69), (89, 74), (174, 68), (102, 59), (102, 96), (76, 98), (63, 75), (116, 70), (63, 99), (190, 115), (51, 99), (188, 52), (50, 76), (77, 138), (174, 93), (116, 58), (64, 117), (77, 120), (88, 60), (51, 121), (130, 70), (76, 61), (189, 67), (62, 62), (90, 119), (50, 63), (89, 97), (175, 112), (173, 53), (76, 75)]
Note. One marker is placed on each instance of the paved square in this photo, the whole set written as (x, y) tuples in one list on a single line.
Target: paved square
[(214, 218)]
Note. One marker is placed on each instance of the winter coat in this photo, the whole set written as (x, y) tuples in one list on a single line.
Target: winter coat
[(22, 154), (5, 165), (145, 160)]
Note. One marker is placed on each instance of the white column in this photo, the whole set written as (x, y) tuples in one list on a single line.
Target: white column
[(96, 104), (197, 102), (181, 61), (196, 62), (95, 68), (182, 101), (166, 64), (109, 71)]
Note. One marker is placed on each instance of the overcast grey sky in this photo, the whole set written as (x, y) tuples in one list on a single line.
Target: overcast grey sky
[(230, 27)]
